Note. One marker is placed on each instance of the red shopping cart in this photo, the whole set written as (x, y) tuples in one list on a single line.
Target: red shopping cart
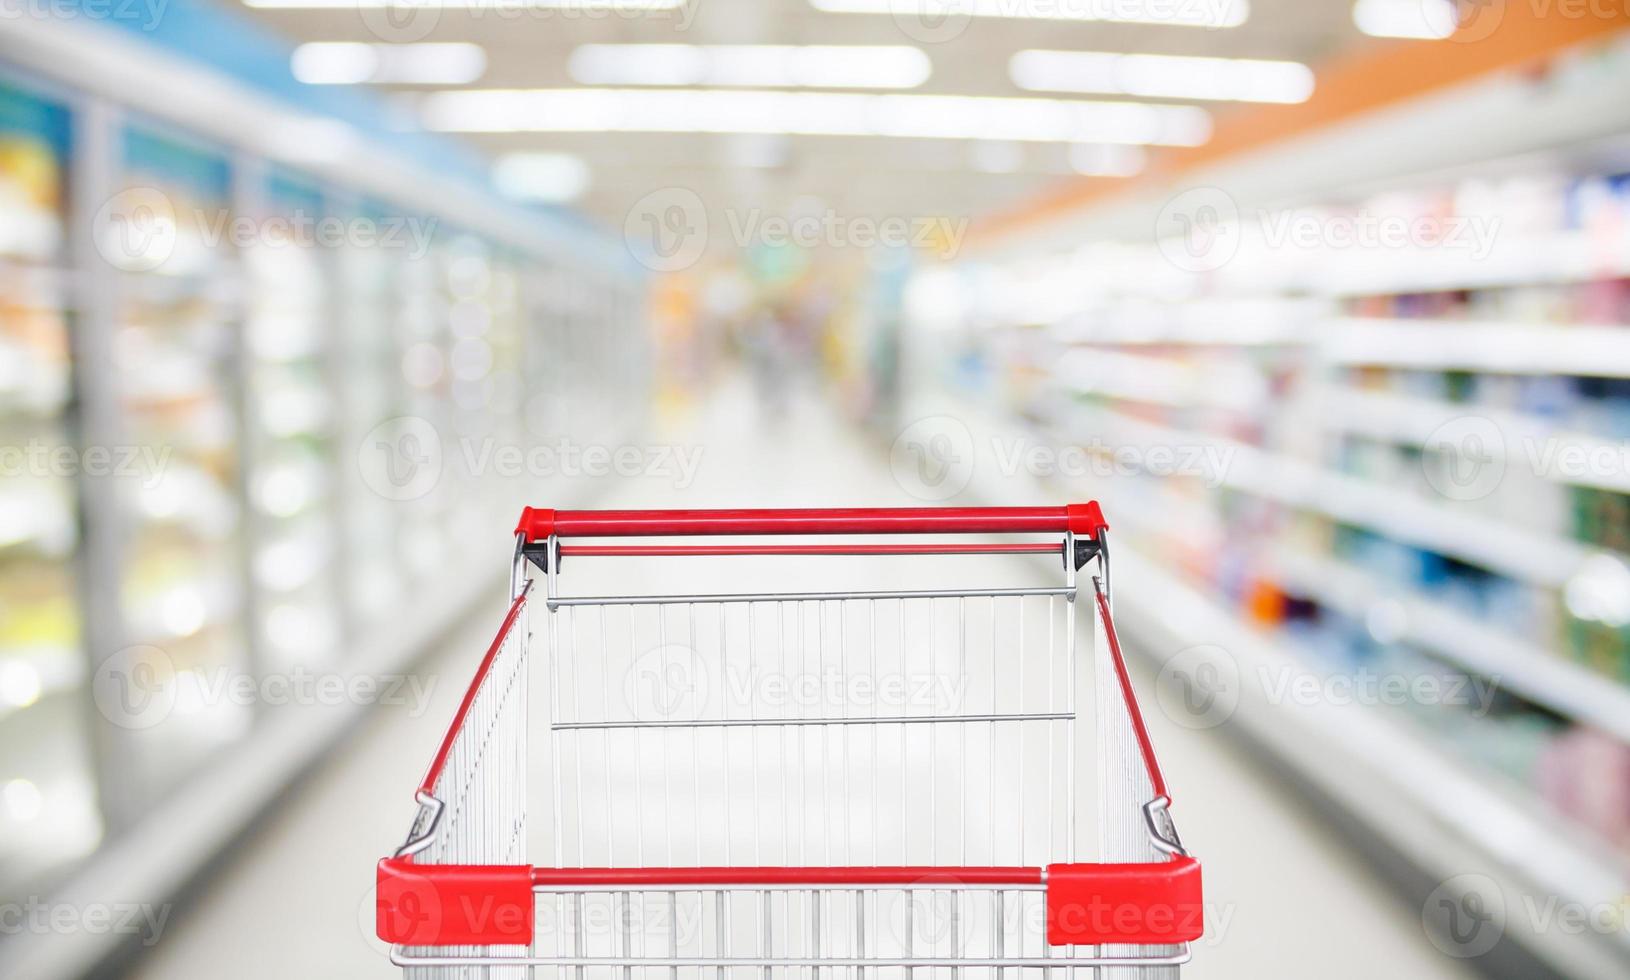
[(847, 776)]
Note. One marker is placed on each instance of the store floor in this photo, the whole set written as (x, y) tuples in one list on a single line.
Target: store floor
[(1286, 898)]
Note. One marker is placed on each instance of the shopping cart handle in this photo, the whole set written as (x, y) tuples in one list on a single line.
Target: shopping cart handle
[(1084, 520), (1155, 904)]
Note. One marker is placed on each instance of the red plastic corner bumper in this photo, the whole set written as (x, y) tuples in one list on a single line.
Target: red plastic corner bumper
[(454, 905), (1136, 904), (1086, 519), (537, 523)]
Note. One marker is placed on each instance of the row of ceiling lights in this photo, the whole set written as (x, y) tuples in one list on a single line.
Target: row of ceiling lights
[(1178, 13), (741, 88), (817, 66)]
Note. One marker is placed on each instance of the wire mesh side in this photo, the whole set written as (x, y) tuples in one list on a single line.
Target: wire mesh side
[(814, 732), (759, 934), (1123, 785), (482, 788)]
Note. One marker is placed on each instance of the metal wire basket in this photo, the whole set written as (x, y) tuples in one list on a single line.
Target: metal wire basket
[(705, 815)]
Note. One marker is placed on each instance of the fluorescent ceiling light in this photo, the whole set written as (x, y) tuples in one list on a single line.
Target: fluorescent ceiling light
[(1161, 76), (1175, 13), (757, 65), (1423, 20), (601, 110), (1107, 159), (630, 5), (553, 178), (347, 63)]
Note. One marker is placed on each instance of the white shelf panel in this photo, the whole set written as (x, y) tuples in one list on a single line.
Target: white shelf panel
[(1413, 421), (1505, 348), (1536, 558), (1221, 323), (1561, 257)]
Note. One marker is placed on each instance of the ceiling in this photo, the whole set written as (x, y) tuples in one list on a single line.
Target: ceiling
[(872, 177)]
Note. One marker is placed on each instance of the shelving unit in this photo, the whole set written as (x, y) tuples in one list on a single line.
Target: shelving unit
[(1335, 461), (252, 372), (1492, 347)]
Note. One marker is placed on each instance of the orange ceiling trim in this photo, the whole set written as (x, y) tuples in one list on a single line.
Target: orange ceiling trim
[(1384, 73)]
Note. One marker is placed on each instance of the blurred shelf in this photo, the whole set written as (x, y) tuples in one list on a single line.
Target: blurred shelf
[(1534, 673), (1413, 421), (1199, 324), (1560, 257), (1601, 351), (1392, 779), (1538, 558), (1383, 773), (1147, 379)]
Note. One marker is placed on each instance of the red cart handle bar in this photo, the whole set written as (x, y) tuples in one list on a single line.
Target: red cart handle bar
[(539, 523), (1085, 904)]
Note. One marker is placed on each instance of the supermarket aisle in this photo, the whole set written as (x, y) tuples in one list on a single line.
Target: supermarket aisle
[(1286, 899)]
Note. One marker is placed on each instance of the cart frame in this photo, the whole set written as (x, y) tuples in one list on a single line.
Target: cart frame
[(458, 899)]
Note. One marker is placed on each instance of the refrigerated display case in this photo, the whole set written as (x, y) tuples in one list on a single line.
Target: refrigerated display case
[(48, 814), (423, 333), (249, 383), (183, 597), (369, 389), (469, 283), (487, 366), (291, 413)]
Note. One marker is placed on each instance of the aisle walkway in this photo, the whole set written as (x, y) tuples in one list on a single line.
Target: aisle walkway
[(296, 903)]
